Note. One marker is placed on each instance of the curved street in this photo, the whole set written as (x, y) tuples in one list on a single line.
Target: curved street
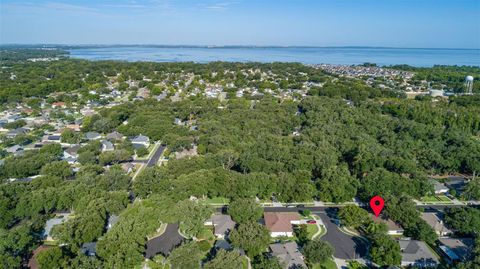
[(346, 247)]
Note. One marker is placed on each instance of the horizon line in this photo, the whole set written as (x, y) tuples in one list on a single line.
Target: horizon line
[(216, 46)]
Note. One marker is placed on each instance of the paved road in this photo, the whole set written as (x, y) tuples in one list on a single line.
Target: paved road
[(165, 242), (346, 247), (156, 156)]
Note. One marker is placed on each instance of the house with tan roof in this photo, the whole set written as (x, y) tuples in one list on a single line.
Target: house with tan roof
[(281, 223), (434, 221), (393, 228)]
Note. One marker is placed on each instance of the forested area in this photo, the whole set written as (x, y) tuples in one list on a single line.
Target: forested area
[(320, 146)]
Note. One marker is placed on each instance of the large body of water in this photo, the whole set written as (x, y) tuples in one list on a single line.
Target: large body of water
[(307, 55)]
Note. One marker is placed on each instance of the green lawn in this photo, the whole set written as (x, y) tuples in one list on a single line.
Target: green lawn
[(206, 234), (245, 263), (436, 199), (218, 200), (312, 229), (330, 264)]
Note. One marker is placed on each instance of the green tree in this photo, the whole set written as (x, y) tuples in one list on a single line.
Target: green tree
[(59, 169), (353, 216), (472, 190), (465, 220), (384, 250), (142, 151), (245, 210), (51, 258), (317, 251), (87, 157), (301, 232), (225, 260), (422, 231), (251, 237), (70, 137), (192, 216), (337, 185), (265, 262), (187, 256)]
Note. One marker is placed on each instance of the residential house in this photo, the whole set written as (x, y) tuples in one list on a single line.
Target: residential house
[(2, 125), (71, 152), (14, 149), (438, 187), (434, 220), (87, 111), (13, 133), (114, 136), (51, 138), (58, 219), (417, 253), (281, 223), (93, 136), (456, 249), (393, 228), (140, 141), (222, 224), (128, 167), (186, 153), (288, 255), (73, 127), (107, 146), (112, 220), (89, 249), (32, 263), (58, 105), (143, 93)]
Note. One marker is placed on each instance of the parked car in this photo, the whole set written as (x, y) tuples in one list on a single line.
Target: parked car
[(300, 206), (289, 206), (311, 221)]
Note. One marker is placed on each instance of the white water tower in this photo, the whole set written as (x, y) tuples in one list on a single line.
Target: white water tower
[(469, 84)]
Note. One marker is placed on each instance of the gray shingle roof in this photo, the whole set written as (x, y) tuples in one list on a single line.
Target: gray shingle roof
[(288, 254), (416, 252)]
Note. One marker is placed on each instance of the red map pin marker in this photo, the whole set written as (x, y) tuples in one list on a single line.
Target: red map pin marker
[(376, 203)]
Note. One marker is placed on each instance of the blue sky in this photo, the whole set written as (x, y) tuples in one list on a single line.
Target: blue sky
[(391, 23)]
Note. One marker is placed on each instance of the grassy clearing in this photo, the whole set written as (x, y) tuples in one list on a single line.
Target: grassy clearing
[(312, 230), (218, 200), (436, 199), (330, 264), (206, 234)]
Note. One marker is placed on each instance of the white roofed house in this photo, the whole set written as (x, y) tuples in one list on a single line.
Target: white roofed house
[(14, 149), (107, 146), (140, 141), (439, 188), (71, 152)]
